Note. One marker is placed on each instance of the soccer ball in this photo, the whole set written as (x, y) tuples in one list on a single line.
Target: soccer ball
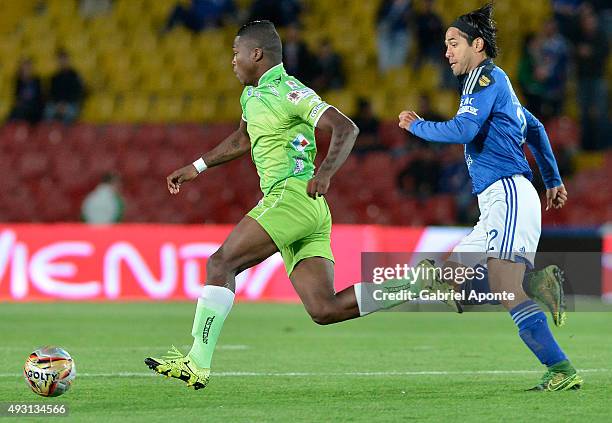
[(49, 371)]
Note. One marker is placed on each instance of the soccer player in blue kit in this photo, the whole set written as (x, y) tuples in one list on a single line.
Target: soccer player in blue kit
[(493, 126)]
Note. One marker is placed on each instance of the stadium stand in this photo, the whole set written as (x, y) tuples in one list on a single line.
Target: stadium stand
[(156, 102)]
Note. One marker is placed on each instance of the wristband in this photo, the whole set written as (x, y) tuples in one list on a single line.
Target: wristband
[(200, 165)]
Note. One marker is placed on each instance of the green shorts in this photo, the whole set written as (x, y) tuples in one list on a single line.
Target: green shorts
[(299, 226)]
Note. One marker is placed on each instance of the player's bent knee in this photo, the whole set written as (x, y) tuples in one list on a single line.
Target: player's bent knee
[(323, 315), (217, 266)]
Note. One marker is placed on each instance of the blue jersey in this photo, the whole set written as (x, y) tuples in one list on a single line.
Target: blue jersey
[(493, 126)]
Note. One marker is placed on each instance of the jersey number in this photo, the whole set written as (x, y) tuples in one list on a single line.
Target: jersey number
[(491, 235)]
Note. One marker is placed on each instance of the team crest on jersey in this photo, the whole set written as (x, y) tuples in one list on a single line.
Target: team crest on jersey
[(293, 85), (298, 95), (483, 81), (300, 143)]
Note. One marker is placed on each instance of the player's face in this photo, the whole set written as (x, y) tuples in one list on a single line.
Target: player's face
[(242, 63), (459, 53)]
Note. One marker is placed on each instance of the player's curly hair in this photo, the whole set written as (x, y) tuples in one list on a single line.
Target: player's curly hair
[(480, 24), (263, 34)]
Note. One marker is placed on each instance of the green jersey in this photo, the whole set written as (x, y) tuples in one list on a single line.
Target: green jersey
[(281, 114)]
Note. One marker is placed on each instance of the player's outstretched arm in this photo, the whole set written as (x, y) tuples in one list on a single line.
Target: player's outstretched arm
[(539, 144), (344, 132), (230, 148)]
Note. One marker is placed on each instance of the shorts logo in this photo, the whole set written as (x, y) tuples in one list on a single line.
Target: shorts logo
[(300, 143), (483, 81), (293, 85), (298, 95)]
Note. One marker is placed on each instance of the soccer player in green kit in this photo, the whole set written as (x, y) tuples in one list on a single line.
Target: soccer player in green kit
[(278, 122)]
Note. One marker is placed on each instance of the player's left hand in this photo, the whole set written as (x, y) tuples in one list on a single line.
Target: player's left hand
[(556, 197), (406, 118), (318, 186)]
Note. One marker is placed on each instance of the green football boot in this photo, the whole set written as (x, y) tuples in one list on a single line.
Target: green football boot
[(560, 377), (433, 284), (546, 287), (179, 366)]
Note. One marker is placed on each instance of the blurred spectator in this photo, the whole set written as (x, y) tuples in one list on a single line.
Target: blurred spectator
[(201, 14), (93, 8), (329, 71), (426, 111), (430, 35), (297, 59), (454, 179), (421, 177), (394, 37), (104, 204), (368, 140), (591, 52), (565, 12), (550, 69), (66, 93), (28, 104), (532, 88), (281, 12)]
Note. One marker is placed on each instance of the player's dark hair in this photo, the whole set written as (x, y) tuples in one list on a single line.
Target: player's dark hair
[(263, 35), (480, 24)]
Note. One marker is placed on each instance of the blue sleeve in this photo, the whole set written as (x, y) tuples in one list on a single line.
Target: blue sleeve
[(539, 145), (474, 110)]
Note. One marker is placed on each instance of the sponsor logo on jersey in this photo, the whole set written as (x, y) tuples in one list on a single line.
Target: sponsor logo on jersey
[(292, 84), (468, 160), (483, 81), (298, 95), (316, 109), (466, 106), (299, 165), (274, 91), (300, 143), (250, 92)]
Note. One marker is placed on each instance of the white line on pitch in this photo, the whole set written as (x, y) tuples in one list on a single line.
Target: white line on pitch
[(313, 374)]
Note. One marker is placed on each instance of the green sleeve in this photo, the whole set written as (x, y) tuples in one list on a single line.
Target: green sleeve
[(306, 104)]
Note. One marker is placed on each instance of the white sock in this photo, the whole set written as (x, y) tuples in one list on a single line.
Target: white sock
[(358, 297)]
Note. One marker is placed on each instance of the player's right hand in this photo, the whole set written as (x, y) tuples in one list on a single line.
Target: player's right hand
[(406, 118), (556, 197), (176, 178)]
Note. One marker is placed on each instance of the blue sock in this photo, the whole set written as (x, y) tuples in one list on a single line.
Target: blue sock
[(477, 285), (534, 332)]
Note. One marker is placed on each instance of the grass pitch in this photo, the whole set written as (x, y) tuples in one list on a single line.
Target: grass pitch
[(274, 364)]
